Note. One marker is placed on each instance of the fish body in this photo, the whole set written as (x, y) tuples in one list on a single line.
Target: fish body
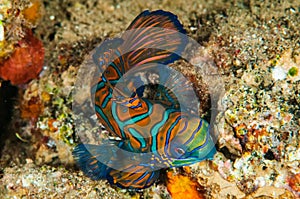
[(155, 130)]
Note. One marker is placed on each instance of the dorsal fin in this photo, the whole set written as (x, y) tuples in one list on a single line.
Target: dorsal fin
[(153, 37)]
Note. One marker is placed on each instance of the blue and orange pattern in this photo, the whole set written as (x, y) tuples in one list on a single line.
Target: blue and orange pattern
[(154, 130)]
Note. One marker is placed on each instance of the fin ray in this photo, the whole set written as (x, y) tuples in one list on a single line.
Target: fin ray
[(135, 177), (156, 36)]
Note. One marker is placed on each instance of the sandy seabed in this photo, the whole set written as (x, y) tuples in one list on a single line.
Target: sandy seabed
[(255, 47)]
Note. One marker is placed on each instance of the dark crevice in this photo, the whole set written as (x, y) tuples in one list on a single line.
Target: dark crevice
[(8, 95)]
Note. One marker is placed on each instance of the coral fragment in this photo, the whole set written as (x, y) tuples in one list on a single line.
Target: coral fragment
[(180, 186), (294, 182), (25, 63), (33, 12)]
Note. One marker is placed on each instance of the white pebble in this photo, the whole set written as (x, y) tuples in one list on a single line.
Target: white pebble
[(278, 73)]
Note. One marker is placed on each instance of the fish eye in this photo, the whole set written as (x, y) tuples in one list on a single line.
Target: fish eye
[(133, 94), (180, 151)]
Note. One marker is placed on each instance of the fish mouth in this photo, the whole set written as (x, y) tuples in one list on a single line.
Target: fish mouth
[(195, 157)]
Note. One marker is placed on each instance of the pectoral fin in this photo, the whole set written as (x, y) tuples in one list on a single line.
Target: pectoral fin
[(108, 161), (88, 163)]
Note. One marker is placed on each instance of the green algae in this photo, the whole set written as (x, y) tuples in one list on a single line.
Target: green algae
[(293, 71)]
